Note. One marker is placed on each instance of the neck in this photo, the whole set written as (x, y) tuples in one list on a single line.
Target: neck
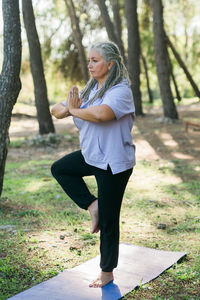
[(99, 84)]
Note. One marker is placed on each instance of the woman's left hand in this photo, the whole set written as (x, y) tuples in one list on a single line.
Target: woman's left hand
[(73, 99)]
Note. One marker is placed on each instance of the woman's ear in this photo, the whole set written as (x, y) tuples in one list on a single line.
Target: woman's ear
[(110, 64)]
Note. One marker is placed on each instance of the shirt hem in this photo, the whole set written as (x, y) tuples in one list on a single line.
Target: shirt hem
[(119, 167)]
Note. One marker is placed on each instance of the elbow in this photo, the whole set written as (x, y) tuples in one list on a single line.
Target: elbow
[(53, 112), (56, 113), (104, 114), (102, 117), (98, 118)]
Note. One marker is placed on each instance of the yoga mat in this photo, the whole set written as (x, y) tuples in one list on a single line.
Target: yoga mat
[(137, 265)]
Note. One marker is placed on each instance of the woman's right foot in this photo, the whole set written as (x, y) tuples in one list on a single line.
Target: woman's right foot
[(94, 213), (103, 279)]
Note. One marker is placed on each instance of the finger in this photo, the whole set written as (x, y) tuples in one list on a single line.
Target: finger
[(71, 94), (75, 88), (75, 92)]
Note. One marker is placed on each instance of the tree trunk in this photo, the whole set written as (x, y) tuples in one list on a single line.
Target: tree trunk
[(110, 27), (147, 78), (117, 19), (40, 89), (134, 52), (10, 84), (161, 58), (183, 66), (77, 38), (178, 96)]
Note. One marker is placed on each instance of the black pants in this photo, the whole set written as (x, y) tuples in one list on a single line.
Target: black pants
[(69, 172)]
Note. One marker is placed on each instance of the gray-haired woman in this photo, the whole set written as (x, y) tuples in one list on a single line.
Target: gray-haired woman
[(103, 113)]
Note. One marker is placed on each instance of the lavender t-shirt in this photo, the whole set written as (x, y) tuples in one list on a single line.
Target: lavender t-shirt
[(109, 143)]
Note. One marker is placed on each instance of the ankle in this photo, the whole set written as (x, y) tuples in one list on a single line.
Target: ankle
[(93, 206), (107, 273)]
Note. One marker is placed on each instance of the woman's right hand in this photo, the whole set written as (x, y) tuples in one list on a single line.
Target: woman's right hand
[(73, 98), (61, 111)]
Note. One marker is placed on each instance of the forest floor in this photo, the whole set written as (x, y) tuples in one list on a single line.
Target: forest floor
[(50, 233)]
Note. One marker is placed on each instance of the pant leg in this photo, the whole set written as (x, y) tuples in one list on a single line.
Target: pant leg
[(68, 171), (110, 194)]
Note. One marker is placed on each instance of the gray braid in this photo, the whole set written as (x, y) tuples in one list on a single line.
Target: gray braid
[(110, 52)]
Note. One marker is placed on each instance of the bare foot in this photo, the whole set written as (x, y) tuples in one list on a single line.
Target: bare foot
[(103, 279), (93, 209)]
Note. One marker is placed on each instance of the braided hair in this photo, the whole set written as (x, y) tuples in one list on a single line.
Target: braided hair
[(110, 52)]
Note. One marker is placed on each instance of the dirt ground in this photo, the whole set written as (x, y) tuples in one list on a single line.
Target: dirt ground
[(153, 140)]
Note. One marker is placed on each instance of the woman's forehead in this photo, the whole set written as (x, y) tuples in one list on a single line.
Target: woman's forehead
[(93, 53)]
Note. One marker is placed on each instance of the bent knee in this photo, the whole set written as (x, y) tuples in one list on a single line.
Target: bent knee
[(54, 169)]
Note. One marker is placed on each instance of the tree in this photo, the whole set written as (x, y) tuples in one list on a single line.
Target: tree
[(145, 41), (147, 78), (40, 88), (162, 60), (117, 19), (178, 96), (77, 38), (110, 29), (134, 52), (183, 66), (10, 83)]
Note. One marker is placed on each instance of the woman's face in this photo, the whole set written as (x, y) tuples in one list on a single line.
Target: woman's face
[(98, 67)]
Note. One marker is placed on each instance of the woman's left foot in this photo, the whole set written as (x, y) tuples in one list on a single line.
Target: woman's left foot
[(103, 279), (94, 213)]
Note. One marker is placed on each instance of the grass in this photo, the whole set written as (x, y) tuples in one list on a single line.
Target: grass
[(52, 234)]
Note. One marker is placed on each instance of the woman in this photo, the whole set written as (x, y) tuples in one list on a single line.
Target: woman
[(103, 114)]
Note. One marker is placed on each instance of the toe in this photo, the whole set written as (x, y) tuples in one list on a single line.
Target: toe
[(96, 283)]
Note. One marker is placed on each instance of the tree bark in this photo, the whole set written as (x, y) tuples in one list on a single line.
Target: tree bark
[(10, 83), (78, 38), (134, 52), (40, 89), (183, 66), (117, 19), (161, 58), (147, 78), (178, 96), (110, 27)]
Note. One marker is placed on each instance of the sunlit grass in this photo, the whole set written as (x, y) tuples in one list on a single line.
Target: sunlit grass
[(32, 201)]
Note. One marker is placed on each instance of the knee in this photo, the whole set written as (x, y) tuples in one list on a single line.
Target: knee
[(54, 169)]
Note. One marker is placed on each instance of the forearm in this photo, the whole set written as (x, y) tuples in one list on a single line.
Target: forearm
[(60, 111), (85, 114), (94, 114)]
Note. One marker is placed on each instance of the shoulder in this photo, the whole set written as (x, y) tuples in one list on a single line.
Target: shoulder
[(121, 90), (120, 99)]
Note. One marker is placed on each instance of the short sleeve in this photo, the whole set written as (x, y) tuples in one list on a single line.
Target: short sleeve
[(120, 99)]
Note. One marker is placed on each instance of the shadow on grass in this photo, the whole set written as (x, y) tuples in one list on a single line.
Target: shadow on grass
[(184, 151)]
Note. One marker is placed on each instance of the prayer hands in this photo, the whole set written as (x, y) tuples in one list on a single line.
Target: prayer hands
[(73, 99)]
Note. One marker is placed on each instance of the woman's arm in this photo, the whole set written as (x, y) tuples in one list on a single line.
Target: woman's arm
[(100, 113), (60, 111), (95, 114)]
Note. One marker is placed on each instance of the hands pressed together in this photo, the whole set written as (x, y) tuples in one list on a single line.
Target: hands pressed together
[(97, 113), (73, 100)]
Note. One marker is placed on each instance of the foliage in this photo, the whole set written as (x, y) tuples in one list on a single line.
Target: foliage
[(60, 55), (69, 64)]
